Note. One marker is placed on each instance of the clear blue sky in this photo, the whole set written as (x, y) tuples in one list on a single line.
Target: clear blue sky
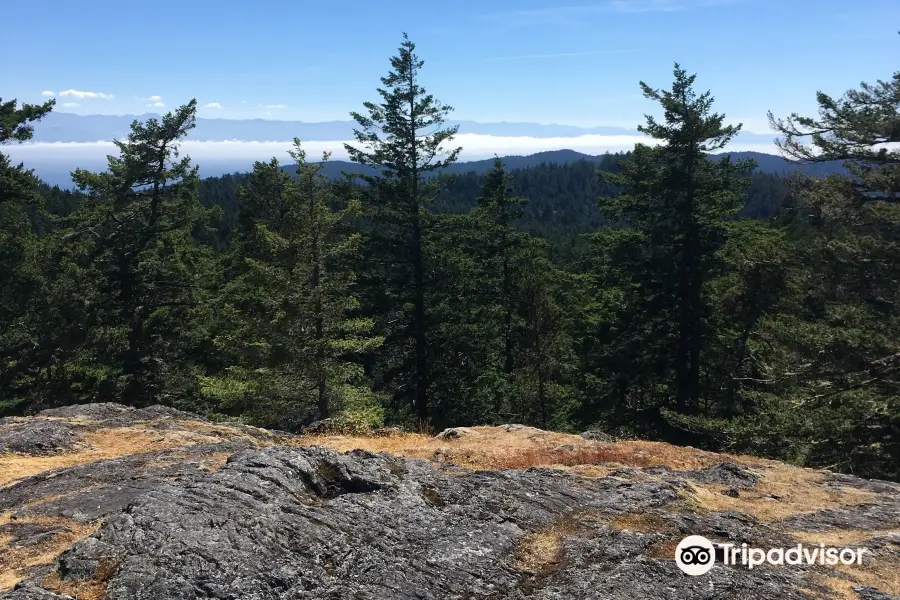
[(570, 61)]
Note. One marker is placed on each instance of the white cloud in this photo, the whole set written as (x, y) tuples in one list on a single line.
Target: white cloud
[(155, 98), (47, 93), (82, 95), (70, 104), (755, 125), (226, 156), (214, 105), (156, 104), (279, 106)]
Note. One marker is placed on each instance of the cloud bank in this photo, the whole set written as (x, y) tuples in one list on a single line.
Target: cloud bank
[(475, 146), (82, 94)]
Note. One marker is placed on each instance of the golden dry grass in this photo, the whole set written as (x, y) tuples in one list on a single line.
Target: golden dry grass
[(783, 491), (541, 551), (642, 523), (883, 575), (86, 589), (15, 561), (879, 570), (116, 442), (840, 537), (498, 448)]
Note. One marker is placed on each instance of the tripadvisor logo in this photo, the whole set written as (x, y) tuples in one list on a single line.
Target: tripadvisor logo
[(696, 555)]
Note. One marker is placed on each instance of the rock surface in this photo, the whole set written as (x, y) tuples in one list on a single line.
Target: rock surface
[(37, 437), (238, 513)]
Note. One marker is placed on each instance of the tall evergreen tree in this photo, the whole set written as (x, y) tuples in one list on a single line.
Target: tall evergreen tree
[(148, 268), (290, 328), (402, 136), (22, 285), (670, 221), (841, 335), (496, 211)]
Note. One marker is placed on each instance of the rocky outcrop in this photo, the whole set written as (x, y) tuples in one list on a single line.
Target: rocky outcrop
[(37, 437), (253, 516)]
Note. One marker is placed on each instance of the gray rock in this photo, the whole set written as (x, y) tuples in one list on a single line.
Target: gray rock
[(870, 593), (87, 492), (30, 591), (725, 473), (310, 523), (96, 411), (37, 437), (304, 523), (595, 435)]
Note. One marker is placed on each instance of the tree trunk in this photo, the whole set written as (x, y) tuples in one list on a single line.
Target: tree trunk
[(324, 409), (419, 323)]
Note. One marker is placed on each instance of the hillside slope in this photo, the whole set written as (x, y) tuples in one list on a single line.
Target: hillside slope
[(104, 501)]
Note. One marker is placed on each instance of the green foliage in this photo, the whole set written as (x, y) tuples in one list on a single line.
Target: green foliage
[(661, 256), (403, 138), (695, 302), (288, 332), (133, 247)]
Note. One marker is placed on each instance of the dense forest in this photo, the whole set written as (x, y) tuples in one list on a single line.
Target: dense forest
[(663, 293)]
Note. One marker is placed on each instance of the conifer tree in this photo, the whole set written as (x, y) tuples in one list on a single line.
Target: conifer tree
[(840, 367), (670, 219), (291, 330), (402, 136), (496, 211), (22, 284), (542, 391), (148, 269)]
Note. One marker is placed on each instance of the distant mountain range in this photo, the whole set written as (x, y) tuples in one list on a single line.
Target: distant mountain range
[(69, 127), (58, 173), (766, 163)]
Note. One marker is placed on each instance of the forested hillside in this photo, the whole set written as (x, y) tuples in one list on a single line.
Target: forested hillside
[(665, 294), (562, 196)]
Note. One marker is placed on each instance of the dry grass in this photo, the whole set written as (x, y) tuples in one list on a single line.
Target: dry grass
[(498, 448), (841, 589), (884, 576), (642, 523), (116, 442), (84, 589), (541, 552), (840, 537), (15, 561), (782, 492), (881, 575), (879, 571)]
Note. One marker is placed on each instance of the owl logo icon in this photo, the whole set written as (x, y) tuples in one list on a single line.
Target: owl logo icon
[(695, 555)]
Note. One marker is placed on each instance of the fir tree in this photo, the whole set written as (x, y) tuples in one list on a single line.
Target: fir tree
[(402, 137), (670, 219), (22, 285), (291, 329), (148, 269)]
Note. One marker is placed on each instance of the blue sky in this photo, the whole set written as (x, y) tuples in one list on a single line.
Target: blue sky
[(572, 61)]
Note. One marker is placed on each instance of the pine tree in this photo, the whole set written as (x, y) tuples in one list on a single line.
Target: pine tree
[(402, 137), (22, 284), (542, 390), (148, 269), (839, 371), (664, 249), (290, 329)]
